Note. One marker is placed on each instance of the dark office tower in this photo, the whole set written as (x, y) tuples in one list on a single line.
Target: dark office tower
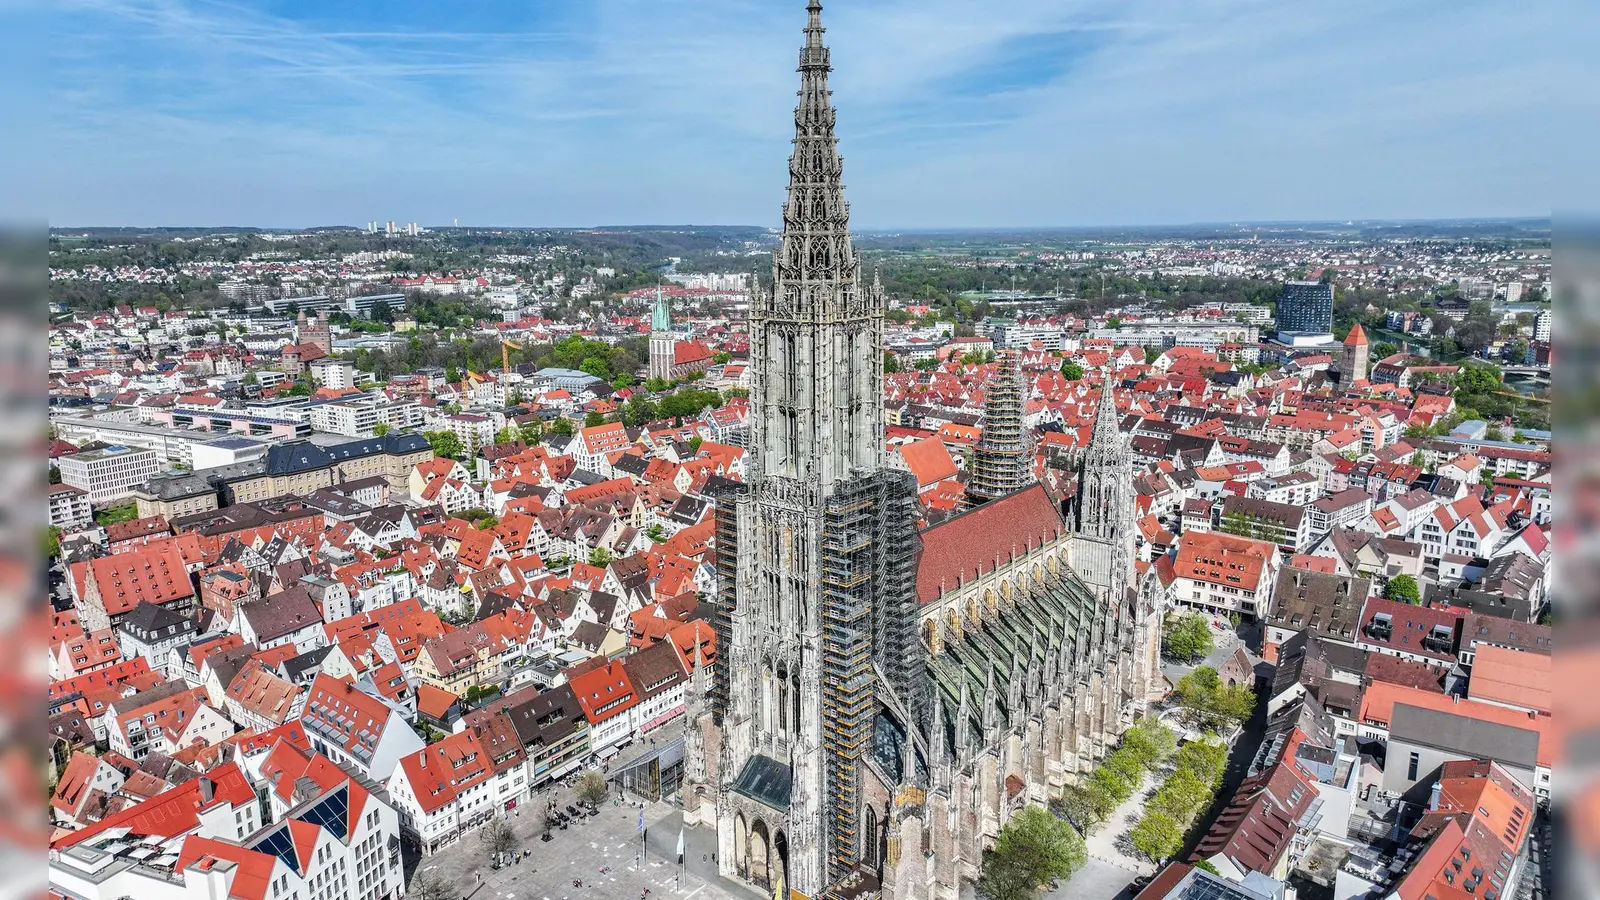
[(1306, 308)]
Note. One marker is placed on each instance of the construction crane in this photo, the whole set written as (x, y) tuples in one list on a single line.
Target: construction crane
[(506, 345)]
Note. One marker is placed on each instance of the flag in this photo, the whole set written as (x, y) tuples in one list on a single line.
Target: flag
[(641, 821), (680, 845), (778, 893)]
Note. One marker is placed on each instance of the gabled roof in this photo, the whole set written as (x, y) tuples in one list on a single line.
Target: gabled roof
[(174, 812), (968, 545)]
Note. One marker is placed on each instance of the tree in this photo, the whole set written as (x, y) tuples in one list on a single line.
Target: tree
[(475, 695), (1207, 701), (1481, 379), (600, 557), (591, 787), (656, 533), (1148, 743), (1033, 849), (1404, 589), (428, 886), (722, 358), (1383, 350), (563, 427), (1189, 638), (498, 839), (444, 443), (382, 313), (695, 443), (1157, 836), (380, 429), (1071, 371), (593, 420), (622, 382), (891, 364), (1151, 354), (52, 542)]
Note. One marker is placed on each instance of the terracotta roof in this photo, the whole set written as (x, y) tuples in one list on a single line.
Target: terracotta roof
[(929, 460), (968, 545), (252, 869), (153, 575), (1222, 559), (434, 701), (604, 691), (1379, 700), (1511, 677), (176, 811), (439, 773)]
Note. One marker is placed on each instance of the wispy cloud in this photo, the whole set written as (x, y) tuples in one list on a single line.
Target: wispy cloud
[(952, 111)]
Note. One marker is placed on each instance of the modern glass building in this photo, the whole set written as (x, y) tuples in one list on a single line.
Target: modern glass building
[(1306, 308)]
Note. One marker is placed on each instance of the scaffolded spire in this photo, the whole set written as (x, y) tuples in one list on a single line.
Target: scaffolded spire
[(1001, 463)]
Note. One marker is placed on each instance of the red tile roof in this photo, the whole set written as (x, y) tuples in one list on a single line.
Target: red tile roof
[(153, 575), (604, 691), (173, 812), (967, 546), (438, 774)]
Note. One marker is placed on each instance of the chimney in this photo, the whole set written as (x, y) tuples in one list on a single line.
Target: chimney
[(207, 789)]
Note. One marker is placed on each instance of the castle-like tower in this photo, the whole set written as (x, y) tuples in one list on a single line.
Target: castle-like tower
[(1354, 360), (1002, 462), (821, 621)]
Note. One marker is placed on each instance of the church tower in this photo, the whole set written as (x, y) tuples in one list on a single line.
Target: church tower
[(1103, 512), (1003, 460), (820, 615), (662, 340)]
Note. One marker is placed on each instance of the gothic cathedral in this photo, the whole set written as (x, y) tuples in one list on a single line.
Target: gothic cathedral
[(884, 700)]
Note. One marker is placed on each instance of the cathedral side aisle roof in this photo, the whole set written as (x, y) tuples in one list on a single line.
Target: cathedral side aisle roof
[(966, 546)]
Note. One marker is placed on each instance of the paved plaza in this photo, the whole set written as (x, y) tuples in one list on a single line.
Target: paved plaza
[(601, 854)]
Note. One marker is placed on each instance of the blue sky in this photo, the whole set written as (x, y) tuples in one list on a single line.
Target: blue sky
[(952, 112)]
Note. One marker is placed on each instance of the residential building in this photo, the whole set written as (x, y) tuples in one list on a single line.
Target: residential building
[(1222, 574)]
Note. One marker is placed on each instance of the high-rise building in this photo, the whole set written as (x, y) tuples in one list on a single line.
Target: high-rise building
[(882, 701), (1305, 310)]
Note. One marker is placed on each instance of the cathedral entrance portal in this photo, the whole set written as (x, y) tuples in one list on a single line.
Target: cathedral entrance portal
[(760, 856)]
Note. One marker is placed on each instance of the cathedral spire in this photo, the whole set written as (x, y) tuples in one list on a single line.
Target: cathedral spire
[(1002, 462), (816, 338), (1106, 420)]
